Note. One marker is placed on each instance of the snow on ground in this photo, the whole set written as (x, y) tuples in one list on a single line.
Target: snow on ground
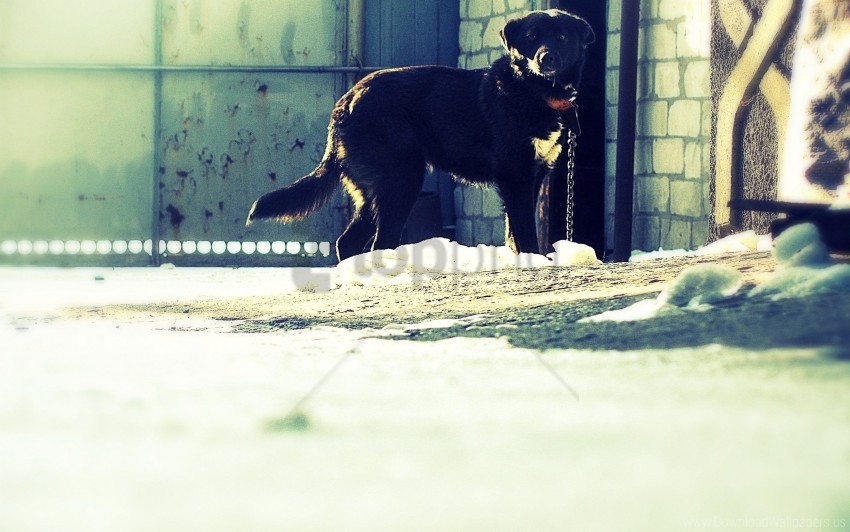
[(181, 424), (101, 286), (737, 243), (439, 256), (45, 289), (696, 288), (136, 427), (804, 267)]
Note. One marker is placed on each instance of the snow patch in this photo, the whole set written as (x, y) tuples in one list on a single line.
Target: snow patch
[(802, 281), (803, 266), (696, 289), (44, 290), (702, 284), (572, 254), (446, 323), (642, 310), (738, 243), (438, 256), (801, 245)]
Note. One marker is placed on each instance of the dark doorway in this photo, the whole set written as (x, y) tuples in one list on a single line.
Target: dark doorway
[(589, 214)]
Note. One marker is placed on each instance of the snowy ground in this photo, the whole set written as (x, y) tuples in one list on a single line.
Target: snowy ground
[(160, 416)]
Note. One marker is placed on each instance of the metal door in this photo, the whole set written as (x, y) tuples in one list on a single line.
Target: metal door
[(76, 144), (138, 131), (237, 130)]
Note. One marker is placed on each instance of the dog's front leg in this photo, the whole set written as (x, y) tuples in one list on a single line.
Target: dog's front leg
[(520, 220)]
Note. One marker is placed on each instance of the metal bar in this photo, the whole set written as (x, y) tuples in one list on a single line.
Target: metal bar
[(189, 68), (156, 204), (626, 130), (356, 33), (784, 207)]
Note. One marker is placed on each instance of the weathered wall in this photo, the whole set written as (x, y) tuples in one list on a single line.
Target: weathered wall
[(752, 47)]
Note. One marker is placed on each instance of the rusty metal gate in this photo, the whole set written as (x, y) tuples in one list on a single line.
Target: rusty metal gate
[(136, 132)]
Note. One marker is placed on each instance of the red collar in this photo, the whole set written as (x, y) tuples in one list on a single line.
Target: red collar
[(560, 104)]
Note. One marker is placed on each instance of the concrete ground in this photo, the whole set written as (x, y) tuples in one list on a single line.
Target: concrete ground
[(246, 406)]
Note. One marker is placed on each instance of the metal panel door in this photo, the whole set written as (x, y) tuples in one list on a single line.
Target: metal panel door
[(76, 145), (140, 131), (231, 134), (414, 32)]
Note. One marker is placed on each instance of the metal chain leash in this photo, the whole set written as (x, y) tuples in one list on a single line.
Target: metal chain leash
[(571, 167)]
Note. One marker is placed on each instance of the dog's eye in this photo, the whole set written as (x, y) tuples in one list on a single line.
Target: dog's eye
[(532, 36), (562, 36)]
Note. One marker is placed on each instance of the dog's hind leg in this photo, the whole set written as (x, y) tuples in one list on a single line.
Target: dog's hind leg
[(359, 233), (393, 206)]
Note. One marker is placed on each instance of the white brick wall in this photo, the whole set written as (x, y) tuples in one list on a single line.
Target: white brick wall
[(674, 113), (673, 124)]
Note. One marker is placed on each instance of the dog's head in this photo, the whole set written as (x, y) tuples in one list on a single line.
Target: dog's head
[(551, 44)]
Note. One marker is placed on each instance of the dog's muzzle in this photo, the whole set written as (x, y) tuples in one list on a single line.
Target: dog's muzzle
[(548, 62)]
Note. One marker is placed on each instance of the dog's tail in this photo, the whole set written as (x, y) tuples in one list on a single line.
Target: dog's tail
[(302, 197)]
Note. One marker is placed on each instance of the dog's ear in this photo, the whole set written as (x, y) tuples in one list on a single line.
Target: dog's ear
[(589, 35), (510, 33)]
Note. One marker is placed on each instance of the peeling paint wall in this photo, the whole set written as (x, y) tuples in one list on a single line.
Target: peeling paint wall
[(229, 137)]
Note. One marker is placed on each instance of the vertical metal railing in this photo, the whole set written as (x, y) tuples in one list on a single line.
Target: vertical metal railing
[(157, 134), (626, 130)]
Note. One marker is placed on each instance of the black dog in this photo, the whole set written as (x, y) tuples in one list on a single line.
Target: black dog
[(502, 125)]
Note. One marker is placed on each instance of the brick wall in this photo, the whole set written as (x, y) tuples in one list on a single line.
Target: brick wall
[(672, 176), (674, 115)]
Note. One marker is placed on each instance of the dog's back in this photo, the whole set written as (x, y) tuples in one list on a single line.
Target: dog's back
[(412, 117)]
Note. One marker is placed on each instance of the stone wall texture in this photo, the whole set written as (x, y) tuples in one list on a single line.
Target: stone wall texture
[(674, 118), (672, 151)]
